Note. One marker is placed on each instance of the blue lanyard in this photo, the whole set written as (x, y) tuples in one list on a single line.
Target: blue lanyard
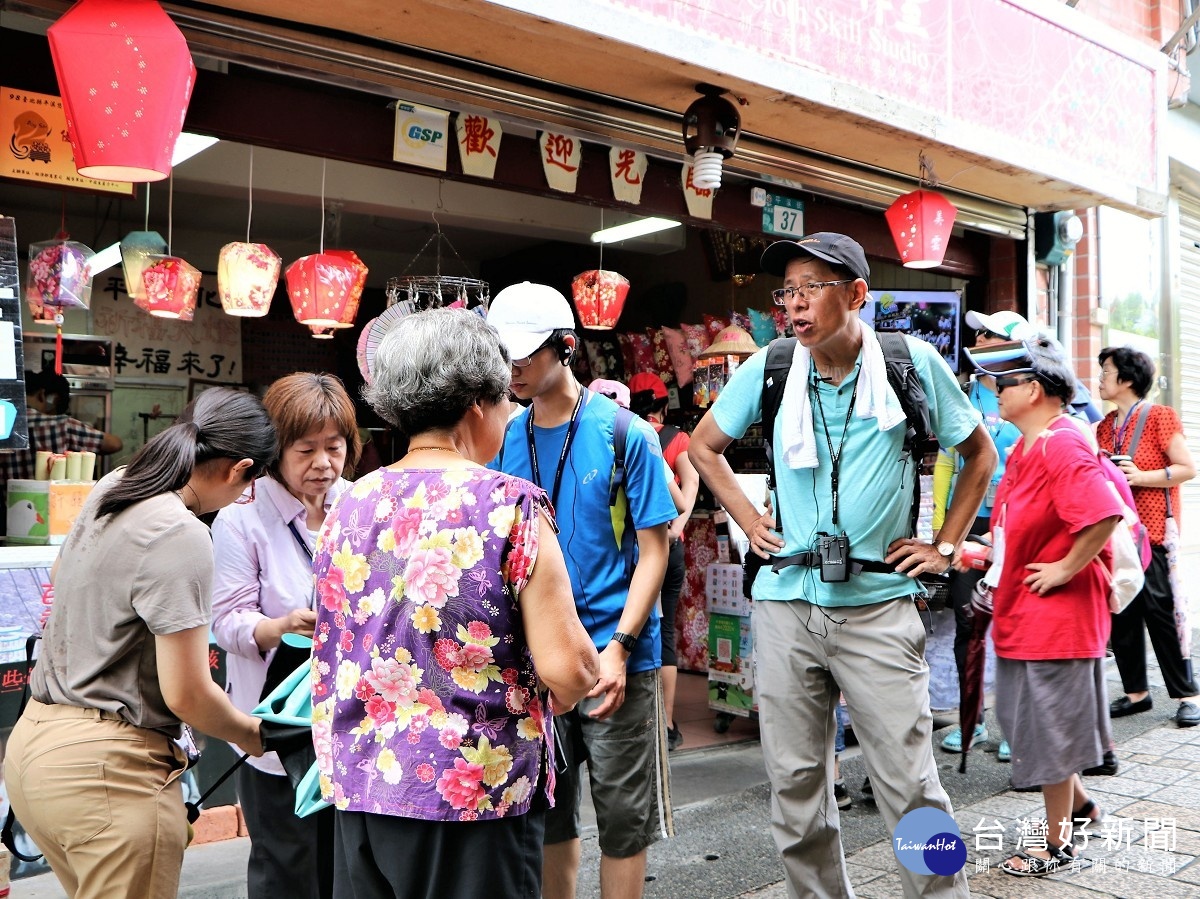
[(303, 543), (1119, 436)]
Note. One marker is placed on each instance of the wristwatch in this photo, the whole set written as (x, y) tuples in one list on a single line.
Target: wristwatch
[(629, 642), (946, 548)]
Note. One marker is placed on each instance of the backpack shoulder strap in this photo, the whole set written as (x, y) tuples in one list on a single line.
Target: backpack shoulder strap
[(906, 384), (665, 435), (775, 375), (617, 495), (1143, 417), (620, 438)]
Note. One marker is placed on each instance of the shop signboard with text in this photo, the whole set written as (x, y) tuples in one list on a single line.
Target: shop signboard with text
[(36, 147)]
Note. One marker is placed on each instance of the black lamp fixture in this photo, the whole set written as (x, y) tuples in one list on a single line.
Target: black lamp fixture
[(711, 127)]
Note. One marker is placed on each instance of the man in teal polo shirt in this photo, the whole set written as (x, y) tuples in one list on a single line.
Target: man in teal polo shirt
[(843, 485)]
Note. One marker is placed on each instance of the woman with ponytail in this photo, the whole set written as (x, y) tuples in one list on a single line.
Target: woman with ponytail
[(92, 767)]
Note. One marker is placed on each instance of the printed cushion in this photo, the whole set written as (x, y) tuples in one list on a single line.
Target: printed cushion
[(762, 327), (681, 359), (662, 356), (714, 326), (697, 337)]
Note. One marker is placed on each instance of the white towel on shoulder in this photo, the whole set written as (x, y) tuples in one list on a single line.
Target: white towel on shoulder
[(875, 399)]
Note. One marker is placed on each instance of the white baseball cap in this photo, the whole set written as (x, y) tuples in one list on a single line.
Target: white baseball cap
[(1009, 325), (525, 315)]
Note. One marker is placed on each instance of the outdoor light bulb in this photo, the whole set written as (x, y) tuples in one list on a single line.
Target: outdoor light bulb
[(706, 172)]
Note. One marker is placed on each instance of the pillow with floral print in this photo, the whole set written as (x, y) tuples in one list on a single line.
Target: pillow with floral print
[(627, 357), (783, 327), (741, 319), (662, 356), (762, 327), (714, 326), (605, 358), (697, 337), (643, 353), (681, 359)]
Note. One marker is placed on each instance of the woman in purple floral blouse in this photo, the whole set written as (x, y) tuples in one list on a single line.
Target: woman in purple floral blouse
[(446, 636)]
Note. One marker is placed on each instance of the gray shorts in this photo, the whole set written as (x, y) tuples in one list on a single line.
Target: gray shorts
[(626, 757)]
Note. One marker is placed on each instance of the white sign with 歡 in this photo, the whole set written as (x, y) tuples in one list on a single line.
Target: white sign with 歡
[(422, 136), (478, 144)]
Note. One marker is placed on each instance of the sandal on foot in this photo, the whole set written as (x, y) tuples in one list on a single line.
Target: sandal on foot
[(1030, 865), (1091, 811)]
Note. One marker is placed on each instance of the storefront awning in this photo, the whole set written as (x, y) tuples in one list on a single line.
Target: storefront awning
[(1018, 103)]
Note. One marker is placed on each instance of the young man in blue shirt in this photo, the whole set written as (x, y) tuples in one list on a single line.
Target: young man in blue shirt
[(843, 489), (563, 442)]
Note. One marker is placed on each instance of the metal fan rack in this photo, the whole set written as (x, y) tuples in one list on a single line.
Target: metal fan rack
[(420, 292)]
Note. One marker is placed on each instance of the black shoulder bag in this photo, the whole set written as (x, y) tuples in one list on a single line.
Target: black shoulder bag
[(287, 658)]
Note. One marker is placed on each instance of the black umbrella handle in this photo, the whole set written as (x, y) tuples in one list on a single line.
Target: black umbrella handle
[(193, 808)]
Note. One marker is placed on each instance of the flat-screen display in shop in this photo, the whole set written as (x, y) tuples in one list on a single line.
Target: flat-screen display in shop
[(931, 315)]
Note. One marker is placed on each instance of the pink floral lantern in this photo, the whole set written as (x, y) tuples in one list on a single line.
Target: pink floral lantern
[(125, 75), (247, 274), (920, 223), (60, 277), (599, 298), (172, 285), (325, 288)]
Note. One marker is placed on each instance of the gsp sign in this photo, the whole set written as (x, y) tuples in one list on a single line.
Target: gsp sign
[(422, 136)]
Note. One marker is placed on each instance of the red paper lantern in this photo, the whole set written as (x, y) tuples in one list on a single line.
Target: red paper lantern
[(172, 285), (126, 76), (920, 223), (325, 288), (599, 298)]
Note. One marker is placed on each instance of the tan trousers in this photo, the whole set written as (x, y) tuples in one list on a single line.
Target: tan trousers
[(875, 655), (101, 798)]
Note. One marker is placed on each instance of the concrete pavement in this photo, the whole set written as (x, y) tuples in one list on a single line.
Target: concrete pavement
[(723, 846)]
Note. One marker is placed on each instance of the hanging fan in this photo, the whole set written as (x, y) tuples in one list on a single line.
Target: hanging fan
[(360, 352), (373, 334)]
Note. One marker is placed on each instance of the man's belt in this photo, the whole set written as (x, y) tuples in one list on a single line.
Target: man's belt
[(812, 559)]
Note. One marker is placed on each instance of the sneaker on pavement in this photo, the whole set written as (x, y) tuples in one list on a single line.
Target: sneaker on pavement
[(1107, 769), (953, 740), (1004, 753), (868, 791), (841, 794)]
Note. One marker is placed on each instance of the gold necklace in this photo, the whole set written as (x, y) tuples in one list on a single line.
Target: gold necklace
[(440, 449)]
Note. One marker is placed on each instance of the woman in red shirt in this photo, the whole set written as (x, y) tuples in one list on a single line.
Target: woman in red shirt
[(1146, 441), (1055, 511)]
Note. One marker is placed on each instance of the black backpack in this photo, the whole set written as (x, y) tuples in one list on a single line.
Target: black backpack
[(904, 380)]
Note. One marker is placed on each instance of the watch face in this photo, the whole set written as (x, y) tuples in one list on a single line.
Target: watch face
[(946, 549)]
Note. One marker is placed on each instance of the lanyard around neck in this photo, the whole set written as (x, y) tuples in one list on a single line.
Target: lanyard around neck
[(303, 543), (835, 458), (1120, 432), (562, 456)]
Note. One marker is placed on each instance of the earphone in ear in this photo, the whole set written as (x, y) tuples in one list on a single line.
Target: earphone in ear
[(566, 349)]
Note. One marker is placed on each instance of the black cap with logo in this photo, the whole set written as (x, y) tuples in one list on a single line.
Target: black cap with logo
[(829, 246)]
